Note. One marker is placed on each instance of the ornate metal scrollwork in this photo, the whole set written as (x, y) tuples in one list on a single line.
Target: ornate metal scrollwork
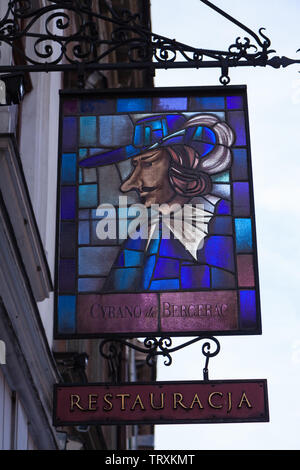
[(154, 347), (64, 33)]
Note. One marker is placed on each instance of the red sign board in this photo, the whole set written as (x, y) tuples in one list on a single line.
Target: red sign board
[(161, 402)]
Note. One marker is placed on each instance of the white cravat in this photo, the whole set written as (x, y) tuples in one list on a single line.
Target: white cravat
[(189, 226)]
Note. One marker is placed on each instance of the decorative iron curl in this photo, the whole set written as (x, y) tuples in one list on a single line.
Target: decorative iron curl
[(51, 49), (154, 347)]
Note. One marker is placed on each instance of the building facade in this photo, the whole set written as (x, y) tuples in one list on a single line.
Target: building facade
[(31, 360)]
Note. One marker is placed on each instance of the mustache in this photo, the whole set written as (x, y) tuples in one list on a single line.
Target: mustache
[(146, 189)]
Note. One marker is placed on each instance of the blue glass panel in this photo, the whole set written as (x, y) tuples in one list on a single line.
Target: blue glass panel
[(174, 249), (156, 136), (207, 103), (243, 233), (67, 275), (84, 214), (138, 139), (88, 130), (133, 258), (221, 226), (67, 239), (123, 279), (115, 130), (120, 262), (84, 233), (148, 271), (174, 123), (222, 279), (83, 153), (68, 168), (239, 169), (221, 177), (69, 136), (68, 202), (234, 102), (131, 150), (205, 135), (223, 208), (166, 268), (218, 252), (138, 244), (133, 104), (165, 284), (90, 284), (193, 277), (241, 199), (66, 313), (237, 122), (88, 195), (247, 309), (96, 261), (170, 104), (153, 245)]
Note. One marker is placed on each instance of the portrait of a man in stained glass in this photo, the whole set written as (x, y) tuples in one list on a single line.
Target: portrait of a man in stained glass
[(156, 225), (171, 172)]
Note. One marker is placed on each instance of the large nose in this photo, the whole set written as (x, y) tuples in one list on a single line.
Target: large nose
[(134, 181)]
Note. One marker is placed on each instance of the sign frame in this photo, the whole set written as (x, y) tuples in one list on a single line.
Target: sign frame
[(159, 385), (74, 332)]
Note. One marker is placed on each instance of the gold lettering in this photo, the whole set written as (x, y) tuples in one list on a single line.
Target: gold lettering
[(196, 400), (245, 400), (210, 400), (110, 405), (75, 399), (229, 402), (177, 399), (123, 396), (92, 401), (138, 401), (161, 407)]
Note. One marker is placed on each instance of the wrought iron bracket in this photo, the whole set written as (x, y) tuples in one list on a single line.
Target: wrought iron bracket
[(154, 347), (69, 37)]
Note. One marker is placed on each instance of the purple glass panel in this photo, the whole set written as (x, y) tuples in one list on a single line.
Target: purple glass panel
[(170, 104), (97, 106), (67, 239), (68, 202), (69, 135), (237, 121), (245, 270), (70, 106), (234, 102), (196, 311), (241, 201), (66, 275), (117, 313)]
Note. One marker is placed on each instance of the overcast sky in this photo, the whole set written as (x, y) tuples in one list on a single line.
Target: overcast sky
[(274, 109)]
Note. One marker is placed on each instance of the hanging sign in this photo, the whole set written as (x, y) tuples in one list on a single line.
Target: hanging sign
[(155, 229), (162, 403)]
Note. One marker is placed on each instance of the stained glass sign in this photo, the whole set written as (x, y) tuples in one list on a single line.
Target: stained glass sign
[(156, 229)]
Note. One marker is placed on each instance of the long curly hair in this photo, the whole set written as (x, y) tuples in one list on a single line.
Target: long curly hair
[(189, 173)]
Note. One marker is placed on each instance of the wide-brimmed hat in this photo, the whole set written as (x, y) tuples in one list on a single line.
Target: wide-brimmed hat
[(205, 133)]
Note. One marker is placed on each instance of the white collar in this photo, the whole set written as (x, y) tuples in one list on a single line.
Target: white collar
[(191, 233)]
